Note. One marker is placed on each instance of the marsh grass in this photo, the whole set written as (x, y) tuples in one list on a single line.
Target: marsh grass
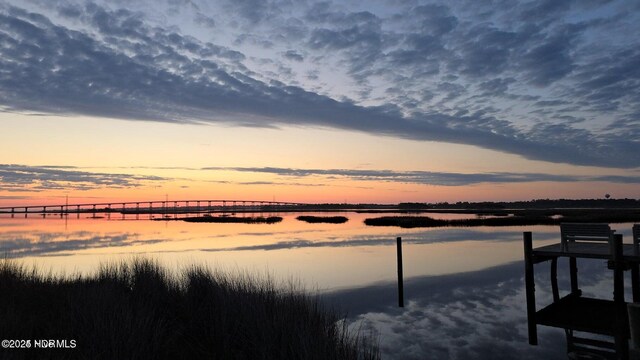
[(233, 219), (323, 219), (138, 310), (520, 218)]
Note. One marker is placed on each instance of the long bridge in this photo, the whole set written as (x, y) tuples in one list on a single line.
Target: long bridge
[(157, 207)]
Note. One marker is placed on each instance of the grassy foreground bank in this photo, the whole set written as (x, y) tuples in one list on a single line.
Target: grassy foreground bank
[(137, 310)]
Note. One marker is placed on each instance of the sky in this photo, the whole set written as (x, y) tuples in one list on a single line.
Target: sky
[(332, 101)]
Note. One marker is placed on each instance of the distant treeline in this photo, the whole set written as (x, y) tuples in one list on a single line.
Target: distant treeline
[(515, 218), (487, 205), (532, 204)]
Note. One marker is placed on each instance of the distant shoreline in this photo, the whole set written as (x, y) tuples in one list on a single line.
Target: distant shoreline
[(513, 218)]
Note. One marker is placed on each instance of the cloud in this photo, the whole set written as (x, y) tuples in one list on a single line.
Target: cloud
[(293, 55), (429, 177), (37, 243), (423, 237), (37, 178), (103, 60)]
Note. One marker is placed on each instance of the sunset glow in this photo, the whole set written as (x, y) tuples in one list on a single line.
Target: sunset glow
[(193, 101)]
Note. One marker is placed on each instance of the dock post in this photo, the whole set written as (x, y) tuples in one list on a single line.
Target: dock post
[(573, 272), (633, 310), (635, 268), (530, 287), (400, 276), (618, 279), (622, 330), (635, 280), (554, 279)]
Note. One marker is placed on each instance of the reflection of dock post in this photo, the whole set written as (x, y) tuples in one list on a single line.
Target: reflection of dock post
[(400, 277), (530, 287)]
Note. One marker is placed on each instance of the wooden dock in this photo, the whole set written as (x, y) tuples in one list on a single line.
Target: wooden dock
[(574, 312)]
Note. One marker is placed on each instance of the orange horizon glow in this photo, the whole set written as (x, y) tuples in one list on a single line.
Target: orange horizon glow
[(179, 155), (362, 193)]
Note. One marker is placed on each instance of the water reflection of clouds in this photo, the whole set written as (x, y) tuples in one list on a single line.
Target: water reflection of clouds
[(476, 315), (20, 243), (32, 243), (426, 237), (272, 233), (29, 243)]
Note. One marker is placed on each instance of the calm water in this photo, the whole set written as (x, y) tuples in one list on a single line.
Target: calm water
[(463, 286)]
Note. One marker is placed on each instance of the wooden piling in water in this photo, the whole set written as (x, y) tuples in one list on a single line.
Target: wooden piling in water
[(621, 338), (400, 276), (554, 279), (573, 273), (530, 287)]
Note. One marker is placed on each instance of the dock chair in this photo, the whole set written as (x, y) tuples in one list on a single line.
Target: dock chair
[(573, 235), (583, 232)]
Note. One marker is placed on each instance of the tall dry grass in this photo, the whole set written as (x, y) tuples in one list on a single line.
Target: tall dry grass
[(138, 310)]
